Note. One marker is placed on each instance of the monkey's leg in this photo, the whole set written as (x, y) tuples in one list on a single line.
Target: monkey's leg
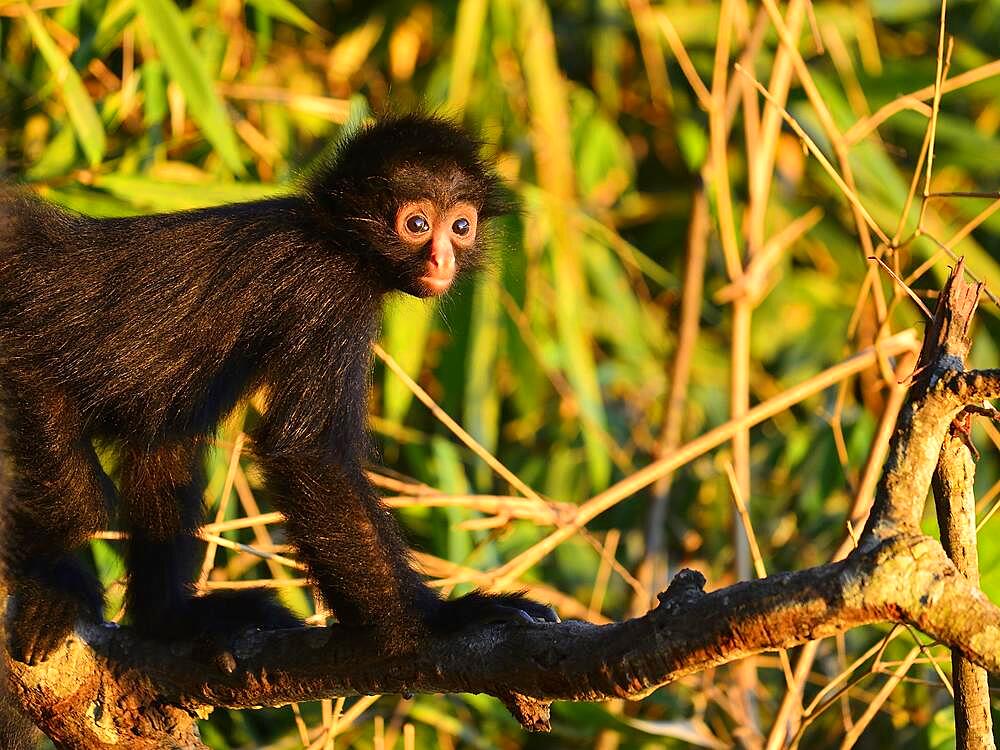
[(162, 497), (56, 503), (160, 500)]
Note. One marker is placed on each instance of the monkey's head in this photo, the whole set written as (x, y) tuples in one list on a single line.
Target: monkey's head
[(414, 195)]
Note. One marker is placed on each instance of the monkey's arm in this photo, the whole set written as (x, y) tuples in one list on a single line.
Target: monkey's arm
[(351, 544), (348, 540), (354, 551)]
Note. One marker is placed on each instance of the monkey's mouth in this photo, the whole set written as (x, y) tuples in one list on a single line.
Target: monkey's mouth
[(435, 285)]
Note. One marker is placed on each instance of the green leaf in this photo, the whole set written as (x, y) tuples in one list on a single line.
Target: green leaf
[(289, 12), (110, 567), (604, 168), (58, 157), (451, 479), (941, 732), (618, 314), (179, 196), (482, 397), (82, 113), (468, 31), (406, 325), (108, 561), (170, 34), (155, 89), (88, 202), (576, 353), (115, 18), (901, 11), (692, 139), (358, 113)]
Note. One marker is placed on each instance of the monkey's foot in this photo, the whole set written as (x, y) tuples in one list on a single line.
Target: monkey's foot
[(479, 608), (47, 602), (228, 613), (218, 616), (221, 616), (214, 621)]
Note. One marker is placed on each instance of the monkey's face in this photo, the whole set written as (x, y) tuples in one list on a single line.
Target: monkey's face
[(436, 236), (415, 199)]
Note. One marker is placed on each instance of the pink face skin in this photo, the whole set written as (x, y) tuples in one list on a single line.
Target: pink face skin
[(450, 232)]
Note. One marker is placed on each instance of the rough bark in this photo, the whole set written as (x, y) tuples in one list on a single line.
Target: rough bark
[(956, 512), (955, 502)]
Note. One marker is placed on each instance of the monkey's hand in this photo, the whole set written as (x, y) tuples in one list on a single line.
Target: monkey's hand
[(47, 601), (480, 608)]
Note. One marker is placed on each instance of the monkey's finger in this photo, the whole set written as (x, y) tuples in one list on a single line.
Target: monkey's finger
[(529, 614), (539, 612), (38, 649)]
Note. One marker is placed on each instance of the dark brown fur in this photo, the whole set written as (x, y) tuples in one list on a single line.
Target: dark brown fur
[(145, 332)]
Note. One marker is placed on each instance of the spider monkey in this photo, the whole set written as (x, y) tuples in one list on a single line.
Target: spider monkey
[(143, 333)]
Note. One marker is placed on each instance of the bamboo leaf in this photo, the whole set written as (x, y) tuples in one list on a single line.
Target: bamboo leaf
[(170, 34), (57, 158), (406, 326), (482, 395), (289, 12), (547, 92), (468, 30), (117, 15), (81, 110), (451, 479), (178, 196)]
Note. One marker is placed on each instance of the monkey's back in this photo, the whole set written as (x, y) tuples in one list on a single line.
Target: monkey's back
[(152, 324)]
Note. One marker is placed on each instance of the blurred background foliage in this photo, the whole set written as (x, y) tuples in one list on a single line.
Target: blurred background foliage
[(642, 160)]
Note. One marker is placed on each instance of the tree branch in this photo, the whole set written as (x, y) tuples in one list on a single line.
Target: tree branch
[(935, 399), (907, 579), (108, 688), (955, 499)]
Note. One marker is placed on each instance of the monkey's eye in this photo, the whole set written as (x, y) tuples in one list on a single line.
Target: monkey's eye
[(461, 227), (418, 224)]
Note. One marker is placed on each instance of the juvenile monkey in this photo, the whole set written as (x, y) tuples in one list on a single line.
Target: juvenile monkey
[(145, 332)]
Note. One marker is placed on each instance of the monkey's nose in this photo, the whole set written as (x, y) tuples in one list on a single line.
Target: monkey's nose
[(442, 258), (440, 267)]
